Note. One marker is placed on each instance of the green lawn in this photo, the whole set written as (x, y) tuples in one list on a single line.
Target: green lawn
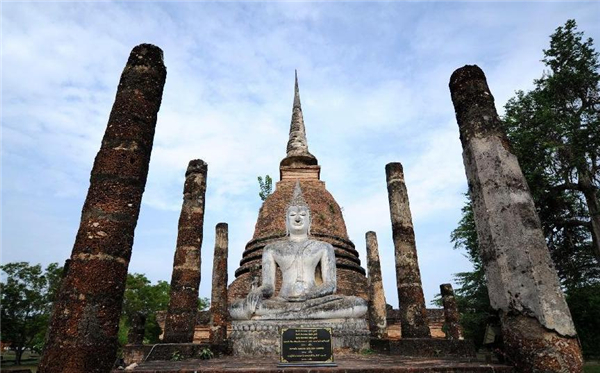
[(592, 367), (28, 361)]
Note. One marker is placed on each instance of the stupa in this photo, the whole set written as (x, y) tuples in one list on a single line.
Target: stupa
[(327, 220), (334, 296)]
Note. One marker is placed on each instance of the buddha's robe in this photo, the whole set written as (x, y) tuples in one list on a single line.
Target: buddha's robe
[(302, 295)]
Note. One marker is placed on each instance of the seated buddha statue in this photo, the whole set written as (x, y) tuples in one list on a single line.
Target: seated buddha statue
[(308, 277)]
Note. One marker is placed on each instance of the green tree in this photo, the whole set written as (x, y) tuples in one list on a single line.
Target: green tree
[(203, 303), (26, 303), (554, 130), (266, 187), (584, 303), (472, 294), (142, 296)]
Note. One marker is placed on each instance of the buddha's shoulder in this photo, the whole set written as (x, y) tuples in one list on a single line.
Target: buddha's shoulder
[(276, 245), (282, 244), (319, 244)]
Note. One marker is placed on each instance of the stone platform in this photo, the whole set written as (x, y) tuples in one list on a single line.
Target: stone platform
[(254, 338), (425, 347), (347, 363)]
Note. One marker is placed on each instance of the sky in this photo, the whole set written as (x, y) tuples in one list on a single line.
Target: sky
[(374, 89)]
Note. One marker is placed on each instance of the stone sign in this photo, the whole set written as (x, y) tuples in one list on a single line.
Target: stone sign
[(306, 346)]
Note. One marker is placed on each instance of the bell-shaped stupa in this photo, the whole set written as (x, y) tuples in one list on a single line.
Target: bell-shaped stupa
[(327, 220)]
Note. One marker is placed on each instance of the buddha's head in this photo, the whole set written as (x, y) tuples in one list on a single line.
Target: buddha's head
[(297, 218)]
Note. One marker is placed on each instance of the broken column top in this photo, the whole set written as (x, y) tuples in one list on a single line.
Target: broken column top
[(394, 168), (196, 166), (446, 289), (146, 54), (471, 95)]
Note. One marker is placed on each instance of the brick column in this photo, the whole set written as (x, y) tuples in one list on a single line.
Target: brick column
[(413, 314), (82, 335), (180, 321), (451, 314), (523, 286), (377, 304), (219, 313)]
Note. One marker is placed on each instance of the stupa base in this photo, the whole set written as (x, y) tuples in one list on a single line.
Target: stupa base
[(262, 337)]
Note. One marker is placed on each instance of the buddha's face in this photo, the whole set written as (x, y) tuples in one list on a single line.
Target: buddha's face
[(298, 220)]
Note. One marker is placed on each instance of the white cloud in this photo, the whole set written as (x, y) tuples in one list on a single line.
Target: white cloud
[(374, 86)]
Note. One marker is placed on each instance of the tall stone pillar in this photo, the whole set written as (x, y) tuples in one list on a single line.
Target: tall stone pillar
[(218, 301), (180, 321), (377, 304), (82, 334), (137, 329), (413, 314), (451, 314), (538, 331)]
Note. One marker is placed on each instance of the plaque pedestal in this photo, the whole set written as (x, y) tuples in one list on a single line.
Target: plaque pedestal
[(261, 337)]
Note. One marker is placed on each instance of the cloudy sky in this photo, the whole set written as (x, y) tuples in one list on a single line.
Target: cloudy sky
[(374, 88)]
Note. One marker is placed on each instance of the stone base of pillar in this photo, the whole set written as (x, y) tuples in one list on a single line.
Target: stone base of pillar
[(172, 351), (262, 337), (135, 353), (532, 348), (425, 347)]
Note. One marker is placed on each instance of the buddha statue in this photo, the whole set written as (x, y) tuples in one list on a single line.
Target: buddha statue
[(308, 272)]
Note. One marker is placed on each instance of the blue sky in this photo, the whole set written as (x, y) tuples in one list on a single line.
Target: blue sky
[(374, 89)]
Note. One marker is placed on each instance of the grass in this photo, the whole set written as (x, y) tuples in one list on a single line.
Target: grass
[(29, 360), (591, 367)]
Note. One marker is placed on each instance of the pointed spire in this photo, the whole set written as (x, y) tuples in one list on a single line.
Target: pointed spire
[(297, 93), (297, 146)]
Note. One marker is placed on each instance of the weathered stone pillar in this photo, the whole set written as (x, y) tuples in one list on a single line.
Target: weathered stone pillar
[(137, 329), (82, 333), (377, 304), (218, 301), (180, 321), (413, 314), (451, 314), (523, 286)]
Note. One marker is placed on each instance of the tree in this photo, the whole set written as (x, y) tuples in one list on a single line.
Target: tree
[(265, 186), (554, 131), (584, 303), (142, 296), (472, 294), (203, 303), (26, 304)]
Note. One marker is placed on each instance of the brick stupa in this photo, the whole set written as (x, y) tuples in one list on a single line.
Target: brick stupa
[(327, 221)]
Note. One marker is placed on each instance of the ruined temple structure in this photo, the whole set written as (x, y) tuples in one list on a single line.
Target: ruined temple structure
[(82, 335), (538, 332), (408, 276), (377, 304), (185, 279), (218, 300), (327, 221)]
